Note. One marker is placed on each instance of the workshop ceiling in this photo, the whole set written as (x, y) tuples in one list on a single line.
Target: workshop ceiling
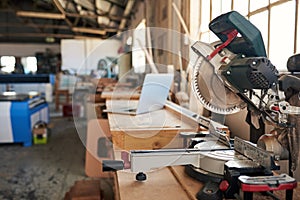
[(49, 21)]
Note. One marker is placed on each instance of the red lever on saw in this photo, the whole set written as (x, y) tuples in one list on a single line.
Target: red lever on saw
[(230, 36)]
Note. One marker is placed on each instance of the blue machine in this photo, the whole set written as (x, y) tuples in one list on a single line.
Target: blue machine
[(18, 115)]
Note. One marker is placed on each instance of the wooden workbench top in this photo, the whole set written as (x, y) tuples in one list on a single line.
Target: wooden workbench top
[(161, 184), (155, 120), (146, 131)]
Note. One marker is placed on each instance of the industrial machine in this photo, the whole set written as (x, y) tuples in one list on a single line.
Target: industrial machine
[(19, 114), (229, 76)]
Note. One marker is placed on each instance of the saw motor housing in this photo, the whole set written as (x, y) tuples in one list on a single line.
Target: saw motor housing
[(250, 69), (250, 73)]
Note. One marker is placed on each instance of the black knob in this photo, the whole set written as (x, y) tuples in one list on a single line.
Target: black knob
[(141, 176), (112, 165)]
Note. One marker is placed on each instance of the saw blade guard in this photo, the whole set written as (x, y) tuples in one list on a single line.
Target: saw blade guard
[(207, 83)]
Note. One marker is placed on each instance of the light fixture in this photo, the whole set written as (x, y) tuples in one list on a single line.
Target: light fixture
[(50, 39)]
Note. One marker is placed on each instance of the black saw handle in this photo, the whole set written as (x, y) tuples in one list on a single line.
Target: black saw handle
[(250, 43)]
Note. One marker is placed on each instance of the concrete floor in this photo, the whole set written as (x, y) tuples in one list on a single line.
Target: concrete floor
[(44, 171)]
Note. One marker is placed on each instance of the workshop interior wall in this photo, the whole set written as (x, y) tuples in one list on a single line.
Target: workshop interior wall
[(23, 50), (162, 15)]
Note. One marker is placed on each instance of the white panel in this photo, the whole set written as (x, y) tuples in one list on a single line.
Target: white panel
[(139, 42), (6, 134), (27, 87), (34, 118), (83, 55), (73, 54), (97, 49), (44, 115)]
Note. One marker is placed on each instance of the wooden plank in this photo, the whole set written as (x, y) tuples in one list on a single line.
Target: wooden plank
[(121, 93), (160, 184), (161, 139), (156, 120), (190, 185)]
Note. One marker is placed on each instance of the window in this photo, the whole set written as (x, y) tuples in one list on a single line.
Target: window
[(216, 8), (282, 34), (241, 6), (8, 63), (205, 15), (260, 20), (30, 64), (257, 4), (225, 6)]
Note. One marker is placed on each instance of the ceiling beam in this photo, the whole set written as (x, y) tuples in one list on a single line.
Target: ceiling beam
[(62, 10), (88, 30), (40, 15), (38, 35), (42, 26), (59, 6), (112, 17), (85, 37), (126, 13)]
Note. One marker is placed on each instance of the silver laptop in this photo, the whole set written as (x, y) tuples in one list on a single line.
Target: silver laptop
[(153, 96)]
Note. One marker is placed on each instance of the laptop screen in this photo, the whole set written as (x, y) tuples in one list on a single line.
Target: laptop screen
[(154, 92)]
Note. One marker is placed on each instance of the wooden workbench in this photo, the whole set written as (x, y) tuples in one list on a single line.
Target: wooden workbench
[(154, 130), (158, 129), (167, 183)]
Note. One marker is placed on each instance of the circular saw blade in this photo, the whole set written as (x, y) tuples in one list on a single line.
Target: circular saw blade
[(208, 84), (214, 161)]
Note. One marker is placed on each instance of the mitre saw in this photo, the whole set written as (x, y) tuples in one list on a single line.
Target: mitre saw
[(229, 76)]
